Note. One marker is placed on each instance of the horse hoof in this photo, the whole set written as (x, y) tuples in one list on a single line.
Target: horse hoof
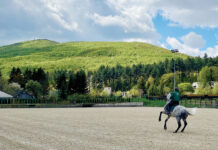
[(175, 132), (159, 120), (165, 128)]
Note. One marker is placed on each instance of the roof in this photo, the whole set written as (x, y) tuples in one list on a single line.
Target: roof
[(5, 95), (22, 95)]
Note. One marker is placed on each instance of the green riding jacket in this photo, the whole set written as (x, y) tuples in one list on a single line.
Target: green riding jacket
[(175, 96)]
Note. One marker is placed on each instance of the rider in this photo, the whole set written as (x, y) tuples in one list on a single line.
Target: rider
[(175, 98)]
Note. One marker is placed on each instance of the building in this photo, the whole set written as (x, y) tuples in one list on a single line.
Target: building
[(4, 95), (196, 85), (213, 83), (23, 95), (108, 90)]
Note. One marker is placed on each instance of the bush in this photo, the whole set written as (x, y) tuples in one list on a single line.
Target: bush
[(204, 89), (118, 94), (185, 88), (104, 94), (94, 93), (134, 92)]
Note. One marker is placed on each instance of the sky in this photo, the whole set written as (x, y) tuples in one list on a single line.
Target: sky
[(191, 26)]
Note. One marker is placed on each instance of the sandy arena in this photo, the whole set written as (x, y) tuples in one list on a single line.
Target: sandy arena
[(104, 128)]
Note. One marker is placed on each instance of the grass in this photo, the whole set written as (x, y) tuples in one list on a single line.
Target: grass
[(52, 56)]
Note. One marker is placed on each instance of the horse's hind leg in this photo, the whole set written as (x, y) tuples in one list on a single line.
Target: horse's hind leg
[(185, 124), (165, 124), (160, 115), (179, 123)]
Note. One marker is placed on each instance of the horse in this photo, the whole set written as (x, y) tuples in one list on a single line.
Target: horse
[(179, 112)]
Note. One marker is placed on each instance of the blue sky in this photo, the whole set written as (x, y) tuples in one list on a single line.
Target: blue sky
[(189, 25)]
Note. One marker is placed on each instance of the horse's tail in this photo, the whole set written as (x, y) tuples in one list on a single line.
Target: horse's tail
[(192, 111)]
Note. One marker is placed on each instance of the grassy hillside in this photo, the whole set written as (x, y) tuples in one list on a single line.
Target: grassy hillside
[(75, 55)]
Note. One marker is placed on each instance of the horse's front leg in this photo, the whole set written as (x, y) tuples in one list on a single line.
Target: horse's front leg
[(165, 124), (160, 115)]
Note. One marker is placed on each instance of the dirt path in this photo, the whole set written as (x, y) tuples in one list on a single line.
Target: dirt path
[(104, 128)]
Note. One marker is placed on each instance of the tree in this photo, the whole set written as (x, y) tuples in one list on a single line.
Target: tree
[(61, 77), (141, 83), (81, 82), (166, 83), (3, 83), (12, 88), (126, 85), (28, 75), (63, 90), (16, 76), (72, 84), (149, 83), (215, 88), (189, 63), (214, 73), (42, 78), (199, 63), (205, 75), (134, 92), (53, 95), (34, 88), (61, 85), (117, 85), (205, 59), (152, 91), (185, 88)]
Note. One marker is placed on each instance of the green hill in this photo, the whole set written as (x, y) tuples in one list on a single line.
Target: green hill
[(76, 55)]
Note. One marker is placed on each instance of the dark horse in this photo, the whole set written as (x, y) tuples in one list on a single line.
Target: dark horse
[(180, 112)]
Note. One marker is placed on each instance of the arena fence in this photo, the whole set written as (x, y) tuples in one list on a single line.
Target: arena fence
[(188, 101), (210, 101)]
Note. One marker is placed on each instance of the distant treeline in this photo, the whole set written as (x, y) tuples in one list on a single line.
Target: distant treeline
[(152, 79)]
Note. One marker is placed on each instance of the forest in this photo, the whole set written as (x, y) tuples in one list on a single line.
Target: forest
[(137, 80)]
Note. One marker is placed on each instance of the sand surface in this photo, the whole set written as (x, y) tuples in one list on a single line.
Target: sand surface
[(104, 128)]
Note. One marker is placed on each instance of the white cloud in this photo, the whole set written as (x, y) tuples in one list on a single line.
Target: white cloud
[(138, 40), (191, 50), (175, 44), (72, 26), (186, 13), (133, 16), (190, 13), (65, 13), (193, 40), (212, 51)]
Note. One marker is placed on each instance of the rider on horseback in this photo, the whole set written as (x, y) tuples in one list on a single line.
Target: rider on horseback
[(175, 98)]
